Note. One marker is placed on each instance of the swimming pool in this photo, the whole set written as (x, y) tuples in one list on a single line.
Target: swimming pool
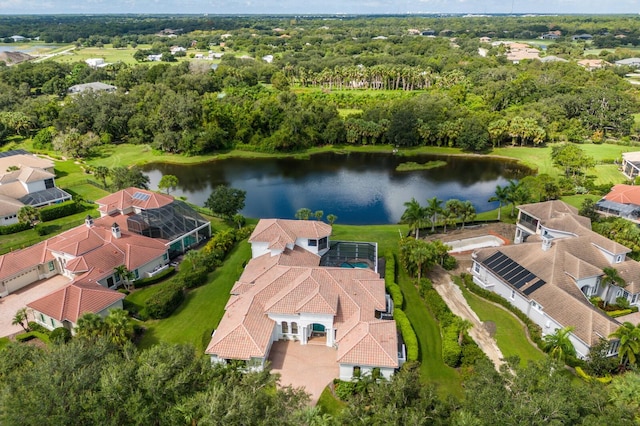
[(364, 265)]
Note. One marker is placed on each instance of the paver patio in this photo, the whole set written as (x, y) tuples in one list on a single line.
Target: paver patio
[(10, 304), (310, 366)]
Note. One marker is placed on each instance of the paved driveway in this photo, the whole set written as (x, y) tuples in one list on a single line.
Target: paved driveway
[(9, 305), (310, 366)]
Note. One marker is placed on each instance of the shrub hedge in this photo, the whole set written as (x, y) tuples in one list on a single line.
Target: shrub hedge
[(56, 211), (155, 279), (451, 351), (60, 335), (164, 302), (192, 278), (390, 281), (29, 335), (408, 334), (534, 329), (619, 313), (16, 227)]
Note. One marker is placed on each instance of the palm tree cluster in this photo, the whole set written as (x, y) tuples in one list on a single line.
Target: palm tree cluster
[(117, 327), (629, 349), (514, 193), (433, 214)]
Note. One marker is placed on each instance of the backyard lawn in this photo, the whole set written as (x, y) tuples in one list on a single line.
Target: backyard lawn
[(197, 317), (510, 332)]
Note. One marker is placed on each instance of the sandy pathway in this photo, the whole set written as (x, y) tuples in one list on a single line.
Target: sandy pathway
[(452, 295)]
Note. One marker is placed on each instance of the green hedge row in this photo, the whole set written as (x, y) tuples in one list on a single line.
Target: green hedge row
[(534, 329), (390, 281), (25, 337), (619, 313), (16, 227), (56, 211), (155, 279), (451, 350), (164, 302), (408, 334)]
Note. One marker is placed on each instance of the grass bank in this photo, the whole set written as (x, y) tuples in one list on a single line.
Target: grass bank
[(510, 332)]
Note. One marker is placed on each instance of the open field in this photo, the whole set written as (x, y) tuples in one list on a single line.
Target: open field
[(108, 53)]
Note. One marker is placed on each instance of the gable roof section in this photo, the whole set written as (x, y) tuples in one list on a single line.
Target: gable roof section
[(280, 232), (132, 197), (370, 343), (70, 302)]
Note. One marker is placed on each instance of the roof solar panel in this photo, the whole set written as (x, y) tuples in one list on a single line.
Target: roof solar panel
[(510, 271), (12, 153), (141, 196), (534, 287)]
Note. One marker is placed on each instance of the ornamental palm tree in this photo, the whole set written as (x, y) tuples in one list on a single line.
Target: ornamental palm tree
[(558, 345), (467, 212), (414, 215), (610, 277), (20, 318), (629, 348), (118, 327), (90, 326), (433, 209), (125, 275), (501, 196), (421, 255), (28, 214)]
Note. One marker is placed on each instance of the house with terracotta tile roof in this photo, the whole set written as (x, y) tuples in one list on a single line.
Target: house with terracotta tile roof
[(622, 201), (554, 268), (63, 307), (26, 180), (300, 286), (158, 216)]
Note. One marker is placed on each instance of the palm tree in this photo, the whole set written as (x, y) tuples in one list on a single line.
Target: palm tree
[(21, 318), (238, 219), (629, 348), (501, 196), (610, 277), (303, 213), (318, 214), (558, 345), (467, 212), (433, 210), (125, 275), (28, 214), (414, 215), (118, 327), (101, 172), (421, 254), (331, 218), (463, 326), (90, 326)]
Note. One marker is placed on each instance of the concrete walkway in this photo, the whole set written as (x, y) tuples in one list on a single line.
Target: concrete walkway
[(10, 304), (312, 367)]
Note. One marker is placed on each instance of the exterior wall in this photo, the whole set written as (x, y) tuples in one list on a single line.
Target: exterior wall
[(534, 311), (9, 219), (590, 285), (158, 262), (346, 371), (305, 322), (259, 248), (48, 322), (36, 186), (18, 281), (304, 243)]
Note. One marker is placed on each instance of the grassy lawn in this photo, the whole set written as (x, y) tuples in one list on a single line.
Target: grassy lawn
[(108, 53), (4, 341), (30, 237), (510, 332), (329, 404), (197, 317)]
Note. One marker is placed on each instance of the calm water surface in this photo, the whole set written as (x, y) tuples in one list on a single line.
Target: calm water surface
[(358, 188)]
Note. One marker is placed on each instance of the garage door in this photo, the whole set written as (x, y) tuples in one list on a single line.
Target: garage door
[(22, 280)]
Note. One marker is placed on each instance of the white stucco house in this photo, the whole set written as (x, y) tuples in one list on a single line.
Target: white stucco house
[(299, 286), (554, 268), (26, 180)]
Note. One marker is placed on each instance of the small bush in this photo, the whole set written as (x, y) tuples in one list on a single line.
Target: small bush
[(124, 291), (450, 263), (155, 279), (619, 313), (16, 227), (408, 334), (42, 229), (164, 302), (25, 337), (623, 302), (34, 326), (192, 278), (60, 335), (56, 211), (345, 390), (471, 353)]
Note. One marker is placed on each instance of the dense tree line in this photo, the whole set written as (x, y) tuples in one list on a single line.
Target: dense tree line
[(93, 381)]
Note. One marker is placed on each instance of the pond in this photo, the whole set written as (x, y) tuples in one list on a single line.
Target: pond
[(359, 188)]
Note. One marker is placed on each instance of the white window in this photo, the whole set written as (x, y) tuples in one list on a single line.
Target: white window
[(476, 267), (536, 305), (294, 327), (285, 327), (619, 258), (513, 294)]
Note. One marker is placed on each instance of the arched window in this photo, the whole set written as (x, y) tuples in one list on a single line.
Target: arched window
[(294, 327), (285, 327)]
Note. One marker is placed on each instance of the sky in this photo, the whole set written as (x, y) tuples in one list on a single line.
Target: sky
[(318, 6)]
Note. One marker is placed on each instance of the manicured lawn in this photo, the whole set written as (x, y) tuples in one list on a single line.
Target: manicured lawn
[(329, 404), (108, 53), (510, 332), (87, 191), (30, 237), (197, 317), (577, 200)]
